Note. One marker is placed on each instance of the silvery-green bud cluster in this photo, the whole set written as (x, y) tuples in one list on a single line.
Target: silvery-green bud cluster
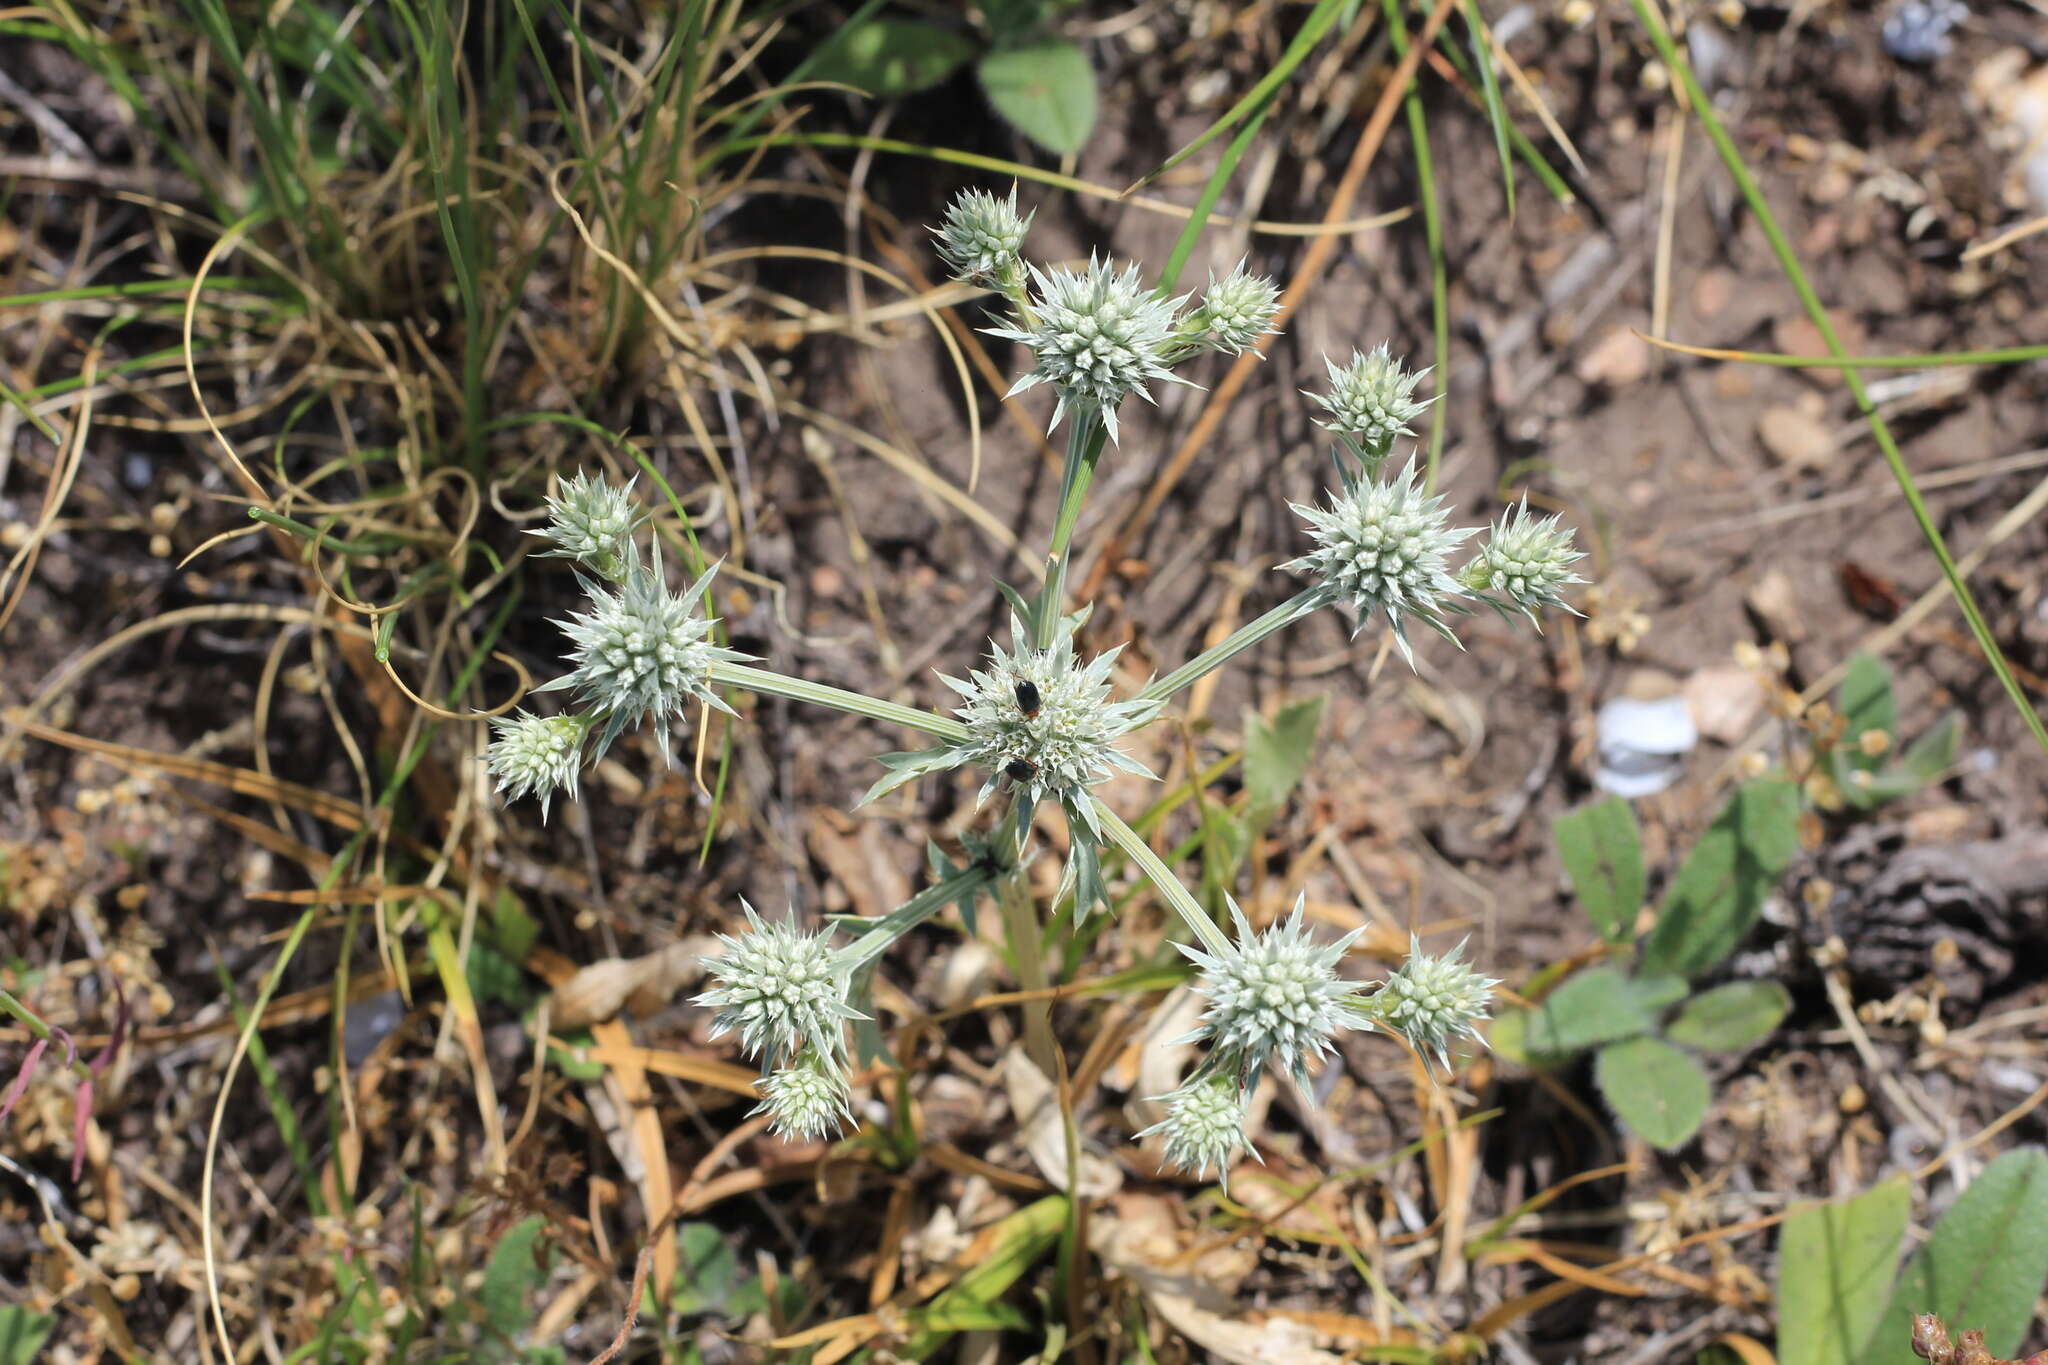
[(982, 237), (1524, 564), (808, 1098), (781, 990), (1098, 335), (592, 522), (1043, 721), (536, 755), (642, 653), (1432, 1001), (1237, 310), (1384, 546), (1371, 400), (1274, 996), (1204, 1124)]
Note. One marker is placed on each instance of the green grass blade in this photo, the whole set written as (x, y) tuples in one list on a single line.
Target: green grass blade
[(1311, 32), (1788, 261), (2004, 355), (1489, 86), (1433, 235)]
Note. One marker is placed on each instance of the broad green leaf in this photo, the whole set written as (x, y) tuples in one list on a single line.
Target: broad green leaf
[(1934, 753), (1602, 851), (888, 57), (1984, 1265), (1731, 1017), (1658, 1091), (1716, 897), (22, 1334), (706, 1270), (1599, 1005), (1277, 753), (1046, 90), (1018, 1243), (1835, 1264), (514, 1272), (1866, 703)]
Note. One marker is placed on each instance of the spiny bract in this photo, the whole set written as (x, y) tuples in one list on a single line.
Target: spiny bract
[(1384, 546), (808, 1099), (592, 522), (1526, 561), (1372, 398), (1204, 1125), (641, 653), (1237, 310), (1069, 743), (981, 236), (1273, 995), (536, 755), (1097, 336), (1432, 1000), (782, 990)]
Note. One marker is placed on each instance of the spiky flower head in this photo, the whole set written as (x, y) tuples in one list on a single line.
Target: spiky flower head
[(1237, 310), (1525, 563), (1098, 335), (1204, 1124), (536, 755), (592, 522), (1275, 995), (807, 1099), (1432, 1000), (642, 652), (1383, 546), (1044, 720), (780, 989), (981, 236), (1371, 399)]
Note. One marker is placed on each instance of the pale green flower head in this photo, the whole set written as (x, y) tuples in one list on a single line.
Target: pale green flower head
[(981, 236), (1432, 1001), (1384, 546), (1204, 1125), (592, 522), (1098, 336), (1273, 996), (1525, 564), (641, 653), (1237, 310), (1043, 721), (1372, 399), (782, 990), (808, 1099), (536, 755)]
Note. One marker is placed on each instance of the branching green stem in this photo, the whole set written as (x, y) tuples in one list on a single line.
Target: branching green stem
[(1161, 877), (771, 684), (1303, 603)]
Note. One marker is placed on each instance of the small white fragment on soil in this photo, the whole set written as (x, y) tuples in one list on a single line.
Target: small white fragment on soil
[(1616, 360), (1725, 701), (1643, 744)]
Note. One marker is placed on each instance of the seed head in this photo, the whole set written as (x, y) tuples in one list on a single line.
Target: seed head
[(780, 989), (1237, 310), (1064, 746), (1097, 336), (1432, 1000), (1371, 399), (1383, 546), (1204, 1124), (1274, 995), (641, 653), (536, 755), (1525, 563), (981, 236), (807, 1099), (592, 522)]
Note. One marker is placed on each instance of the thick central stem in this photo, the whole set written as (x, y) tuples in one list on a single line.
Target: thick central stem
[(1084, 447), (1020, 925)]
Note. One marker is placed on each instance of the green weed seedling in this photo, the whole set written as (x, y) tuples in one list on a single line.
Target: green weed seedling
[(1842, 1299), (1039, 82), (1639, 1013)]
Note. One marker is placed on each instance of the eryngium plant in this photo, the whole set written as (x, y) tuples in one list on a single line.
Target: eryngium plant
[(1043, 722)]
